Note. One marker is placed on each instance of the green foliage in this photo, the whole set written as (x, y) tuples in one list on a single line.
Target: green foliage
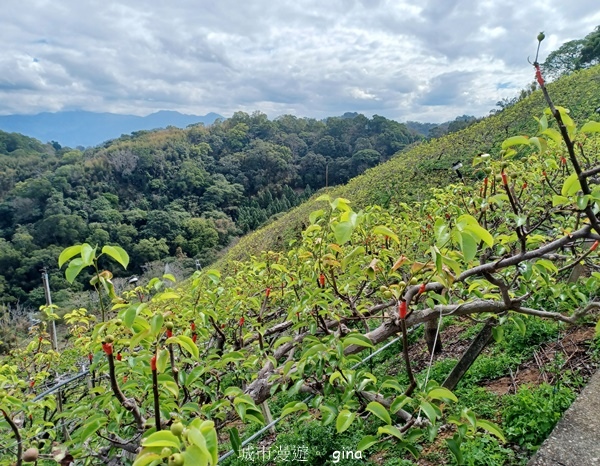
[(531, 414), (184, 193), (485, 451)]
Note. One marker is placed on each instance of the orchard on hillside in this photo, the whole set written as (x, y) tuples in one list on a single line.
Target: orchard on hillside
[(172, 368)]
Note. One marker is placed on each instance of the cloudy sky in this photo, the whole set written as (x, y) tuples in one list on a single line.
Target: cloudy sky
[(318, 58)]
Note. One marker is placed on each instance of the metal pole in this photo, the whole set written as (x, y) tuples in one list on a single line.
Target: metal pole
[(53, 338), (52, 326)]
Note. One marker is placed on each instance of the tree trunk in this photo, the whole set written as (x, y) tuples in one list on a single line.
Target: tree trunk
[(434, 347)]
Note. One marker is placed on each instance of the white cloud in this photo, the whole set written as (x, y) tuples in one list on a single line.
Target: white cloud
[(432, 62)]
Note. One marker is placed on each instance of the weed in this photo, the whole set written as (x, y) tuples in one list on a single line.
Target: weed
[(530, 415)]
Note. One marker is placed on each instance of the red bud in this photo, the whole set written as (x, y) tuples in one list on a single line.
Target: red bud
[(525, 185), (402, 309), (322, 281), (153, 363), (124, 378), (538, 75), (108, 348), (193, 326), (504, 179), (563, 160), (31, 383), (90, 357), (119, 357), (422, 288), (169, 333), (194, 337), (40, 339), (241, 322), (267, 292), (594, 246)]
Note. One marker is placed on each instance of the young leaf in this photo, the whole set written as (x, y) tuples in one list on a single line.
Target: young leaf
[(292, 407), (383, 230), (117, 253), (366, 442), (163, 438), (344, 420), (67, 254), (390, 430), (491, 428), (514, 141), (590, 127), (441, 393), (88, 254), (571, 185), (378, 410), (75, 266), (358, 340)]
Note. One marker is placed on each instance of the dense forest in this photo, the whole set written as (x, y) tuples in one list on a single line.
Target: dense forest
[(171, 193)]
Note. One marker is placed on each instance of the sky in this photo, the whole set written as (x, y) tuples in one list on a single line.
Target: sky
[(429, 63)]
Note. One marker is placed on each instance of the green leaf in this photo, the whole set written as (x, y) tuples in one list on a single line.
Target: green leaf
[(293, 407), (188, 344), (315, 215), (383, 230), (161, 360), (590, 127), (366, 442), (75, 266), (210, 435), (344, 420), (146, 457), (429, 411), (454, 446), (515, 141), (196, 456), (88, 254), (91, 428), (235, 440), (442, 232), (468, 223), (498, 333), (491, 428), (571, 185), (520, 325), (156, 323), (163, 438), (378, 410), (390, 430), (117, 253), (393, 384), (399, 403), (553, 134), (559, 200), (442, 393), (358, 340), (281, 341), (328, 413), (468, 246), (67, 254), (343, 232)]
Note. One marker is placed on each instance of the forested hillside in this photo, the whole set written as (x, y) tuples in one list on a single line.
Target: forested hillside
[(184, 193)]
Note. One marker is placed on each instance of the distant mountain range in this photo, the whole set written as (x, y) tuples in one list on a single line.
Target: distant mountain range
[(80, 128)]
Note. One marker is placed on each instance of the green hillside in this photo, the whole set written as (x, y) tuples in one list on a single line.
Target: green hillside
[(174, 193), (412, 172)]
